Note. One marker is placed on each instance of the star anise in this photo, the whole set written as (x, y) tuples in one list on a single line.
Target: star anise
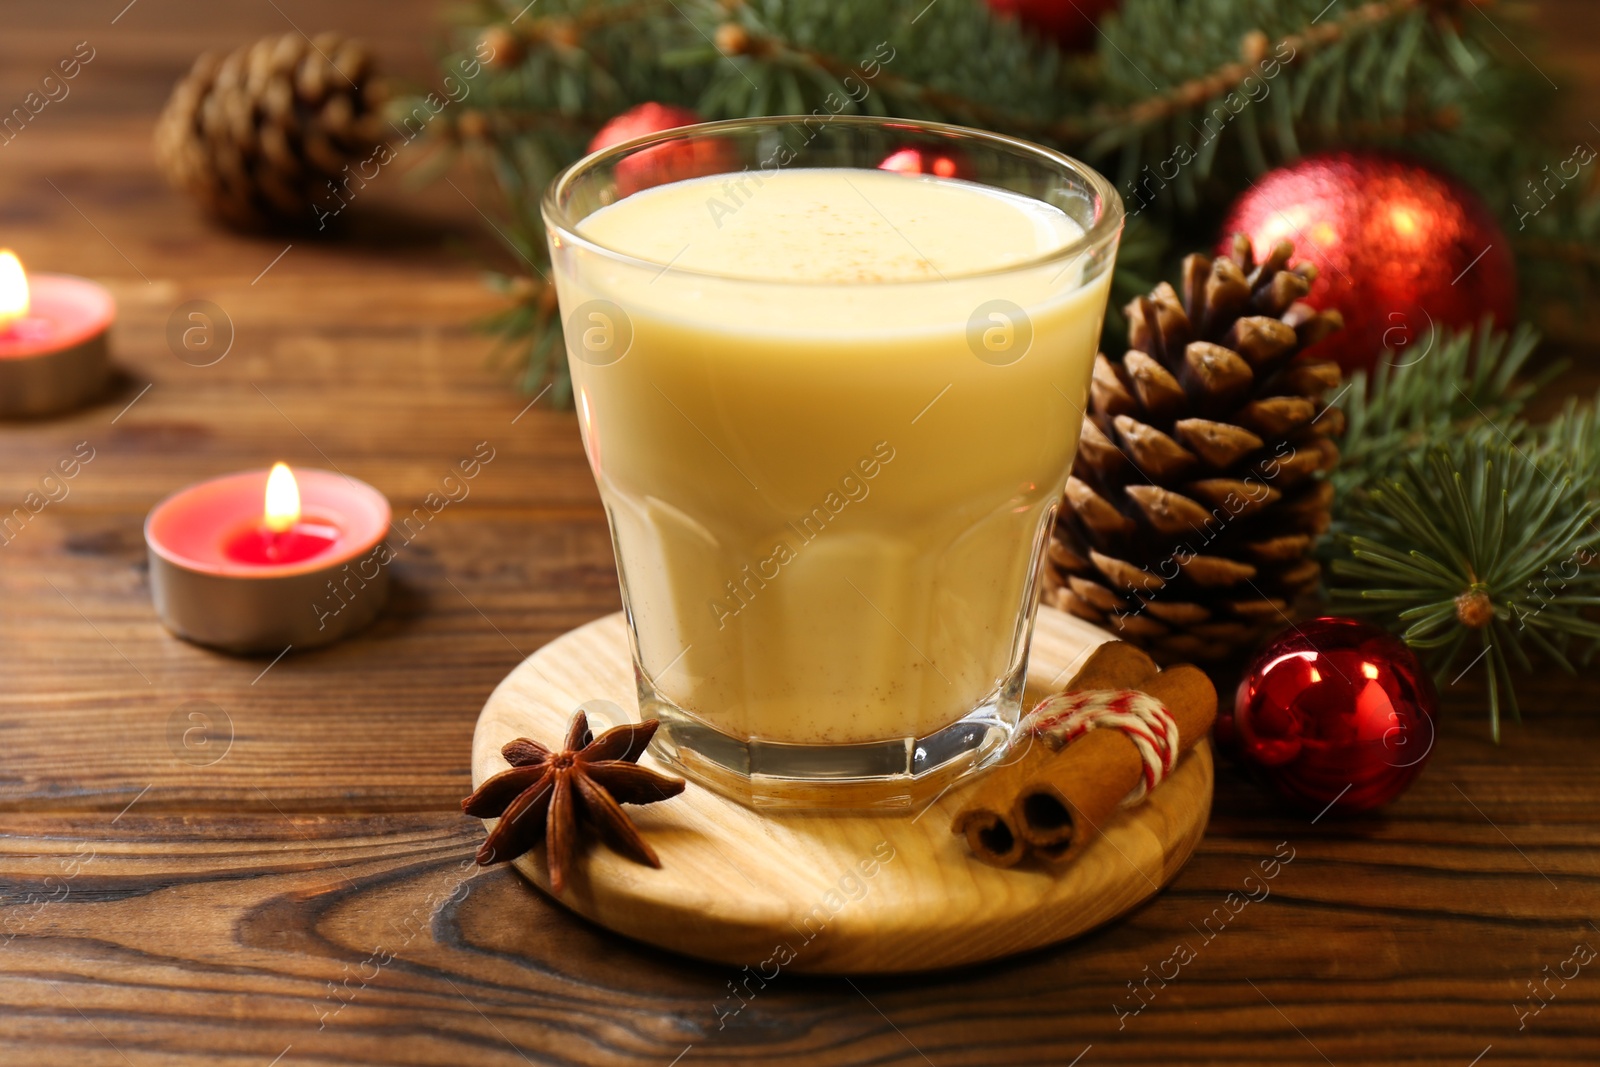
[(550, 794)]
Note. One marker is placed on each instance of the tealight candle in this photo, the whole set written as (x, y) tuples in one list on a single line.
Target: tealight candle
[(52, 340), (265, 560)]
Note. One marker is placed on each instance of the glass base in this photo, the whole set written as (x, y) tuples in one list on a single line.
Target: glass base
[(898, 773)]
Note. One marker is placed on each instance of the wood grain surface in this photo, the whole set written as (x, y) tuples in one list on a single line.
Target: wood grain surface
[(286, 879), (834, 893)]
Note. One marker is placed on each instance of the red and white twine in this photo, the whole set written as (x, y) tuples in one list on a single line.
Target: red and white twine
[(1061, 719)]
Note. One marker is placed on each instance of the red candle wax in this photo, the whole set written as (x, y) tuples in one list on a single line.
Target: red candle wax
[(63, 312), (257, 545)]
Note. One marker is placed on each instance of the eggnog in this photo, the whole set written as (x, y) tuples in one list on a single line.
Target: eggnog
[(830, 413)]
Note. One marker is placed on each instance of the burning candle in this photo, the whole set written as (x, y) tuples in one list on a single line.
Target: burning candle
[(53, 331), (282, 535), (266, 560)]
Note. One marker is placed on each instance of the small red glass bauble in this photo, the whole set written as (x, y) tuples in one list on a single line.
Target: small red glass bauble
[(924, 161), (1336, 714), (1070, 23), (690, 158), (1402, 251)]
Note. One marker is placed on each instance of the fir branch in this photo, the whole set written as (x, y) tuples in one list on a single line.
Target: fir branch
[(1573, 437), (1401, 406), (1478, 551), (1464, 529), (952, 61), (1171, 105), (570, 30), (914, 97), (1387, 72), (1254, 46)]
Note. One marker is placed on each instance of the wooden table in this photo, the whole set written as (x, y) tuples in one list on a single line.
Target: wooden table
[(288, 881)]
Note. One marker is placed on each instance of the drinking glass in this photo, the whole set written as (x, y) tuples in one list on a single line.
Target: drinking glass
[(829, 497)]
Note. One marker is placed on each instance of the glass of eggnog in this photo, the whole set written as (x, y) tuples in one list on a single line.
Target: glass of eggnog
[(829, 373)]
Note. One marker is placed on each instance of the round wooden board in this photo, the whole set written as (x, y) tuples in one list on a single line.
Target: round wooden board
[(855, 893)]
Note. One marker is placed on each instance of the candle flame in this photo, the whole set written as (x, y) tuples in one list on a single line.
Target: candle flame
[(13, 289), (283, 499)]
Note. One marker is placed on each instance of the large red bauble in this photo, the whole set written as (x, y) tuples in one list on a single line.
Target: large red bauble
[(691, 158), (1070, 23), (1401, 251), (1336, 714)]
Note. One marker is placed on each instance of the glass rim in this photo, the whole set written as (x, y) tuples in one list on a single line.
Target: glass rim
[(1105, 228)]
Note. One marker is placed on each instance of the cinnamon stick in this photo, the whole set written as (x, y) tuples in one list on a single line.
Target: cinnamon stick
[(1062, 804), (989, 820)]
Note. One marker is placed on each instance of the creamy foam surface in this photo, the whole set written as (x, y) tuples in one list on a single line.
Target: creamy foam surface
[(832, 226)]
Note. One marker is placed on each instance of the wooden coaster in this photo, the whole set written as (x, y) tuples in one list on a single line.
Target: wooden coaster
[(834, 893)]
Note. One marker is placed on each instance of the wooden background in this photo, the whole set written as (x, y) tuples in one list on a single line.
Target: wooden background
[(291, 884)]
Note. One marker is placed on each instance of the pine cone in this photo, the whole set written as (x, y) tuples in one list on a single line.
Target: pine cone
[(1197, 493), (262, 135)]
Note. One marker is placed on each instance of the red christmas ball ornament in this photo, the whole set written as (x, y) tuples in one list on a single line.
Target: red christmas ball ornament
[(1336, 714), (692, 157), (641, 120), (925, 161), (1070, 23), (1401, 250)]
